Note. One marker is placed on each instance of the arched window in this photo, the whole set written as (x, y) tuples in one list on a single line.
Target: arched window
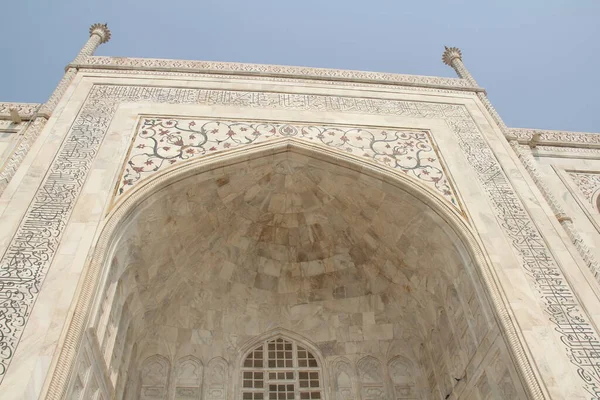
[(281, 369)]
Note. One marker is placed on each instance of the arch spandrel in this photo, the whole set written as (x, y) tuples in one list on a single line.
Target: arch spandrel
[(386, 301), (161, 143)]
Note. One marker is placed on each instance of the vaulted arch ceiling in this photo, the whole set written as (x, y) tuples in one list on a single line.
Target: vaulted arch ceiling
[(291, 238), (275, 234)]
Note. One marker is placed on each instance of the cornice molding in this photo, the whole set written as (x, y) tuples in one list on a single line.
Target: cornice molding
[(556, 138), (214, 67), (26, 110)]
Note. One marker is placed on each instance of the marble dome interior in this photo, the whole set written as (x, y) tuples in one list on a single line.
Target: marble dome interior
[(360, 270)]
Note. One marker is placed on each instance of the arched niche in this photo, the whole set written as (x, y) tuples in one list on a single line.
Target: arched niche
[(403, 376), (188, 378), (280, 363), (353, 256), (343, 378), (371, 378), (154, 372)]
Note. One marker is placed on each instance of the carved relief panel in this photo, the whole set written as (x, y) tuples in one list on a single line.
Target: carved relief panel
[(403, 380), (371, 378), (155, 377), (343, 376), (588, 183), (217, 379), (188, 378)]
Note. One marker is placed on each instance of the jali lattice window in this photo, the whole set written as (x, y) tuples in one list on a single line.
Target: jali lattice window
[(281, 369)]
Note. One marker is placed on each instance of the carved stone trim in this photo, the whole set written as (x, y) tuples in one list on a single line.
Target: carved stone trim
[(213, 67), (557, 138), (588, 183), (26, 110), (566, 152), (272, 79)]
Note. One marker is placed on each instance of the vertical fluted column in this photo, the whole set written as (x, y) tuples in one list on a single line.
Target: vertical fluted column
[(99, 33), (453, 57)]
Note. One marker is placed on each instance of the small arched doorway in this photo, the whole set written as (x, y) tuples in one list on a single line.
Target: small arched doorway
[(374, 270)]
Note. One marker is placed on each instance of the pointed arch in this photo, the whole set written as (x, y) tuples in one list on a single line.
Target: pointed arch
[(188, 378), (94, 282), (155, 377), (281, 363), (342, 379), (216, 379), (403, 377), (371, 378), (275, 333)]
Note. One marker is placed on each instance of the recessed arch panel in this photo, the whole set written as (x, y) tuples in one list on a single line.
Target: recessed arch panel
[(344, 265)]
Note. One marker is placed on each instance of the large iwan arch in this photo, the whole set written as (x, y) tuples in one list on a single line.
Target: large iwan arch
[(381, 274)]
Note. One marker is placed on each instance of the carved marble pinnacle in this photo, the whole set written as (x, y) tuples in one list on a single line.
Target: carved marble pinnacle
[(450, 54), (102, 31)]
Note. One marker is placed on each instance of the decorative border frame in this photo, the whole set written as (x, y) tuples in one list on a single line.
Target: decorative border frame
[(215, 67), (575, 192), (548, 137)]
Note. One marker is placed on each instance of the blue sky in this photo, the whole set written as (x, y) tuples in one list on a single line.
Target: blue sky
[(539, 60)]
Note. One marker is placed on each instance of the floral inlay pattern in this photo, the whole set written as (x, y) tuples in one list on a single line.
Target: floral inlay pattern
[(162, 142), (588, 184)]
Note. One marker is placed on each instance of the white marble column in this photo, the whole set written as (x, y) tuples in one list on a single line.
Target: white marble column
[(99, 33)]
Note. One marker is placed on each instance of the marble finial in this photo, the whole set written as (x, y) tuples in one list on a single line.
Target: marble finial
[(450, 54), (102, 31)]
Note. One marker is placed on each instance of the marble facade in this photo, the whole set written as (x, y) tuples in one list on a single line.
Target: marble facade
[(198, 230)]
